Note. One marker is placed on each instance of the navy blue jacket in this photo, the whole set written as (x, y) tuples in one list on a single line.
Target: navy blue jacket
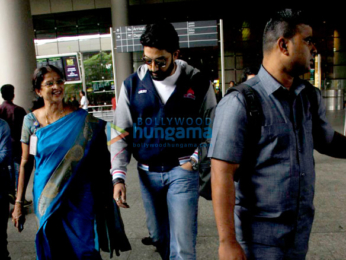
[(157, 133)]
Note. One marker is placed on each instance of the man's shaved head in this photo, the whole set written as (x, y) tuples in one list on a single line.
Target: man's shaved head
[(283, 24)]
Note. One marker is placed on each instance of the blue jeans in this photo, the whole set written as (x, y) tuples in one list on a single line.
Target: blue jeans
[(16, 166), (295, 246), (171, 203), (14, 174), (255, 251)]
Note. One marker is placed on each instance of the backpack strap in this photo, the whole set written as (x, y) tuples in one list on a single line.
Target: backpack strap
[(255, 118), (204, 163), (253, 107), (254, 112)]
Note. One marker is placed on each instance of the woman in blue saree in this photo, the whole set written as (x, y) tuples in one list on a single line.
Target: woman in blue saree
[(72, 187)]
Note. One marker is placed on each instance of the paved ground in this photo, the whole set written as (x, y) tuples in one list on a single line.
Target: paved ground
[(328, 238)]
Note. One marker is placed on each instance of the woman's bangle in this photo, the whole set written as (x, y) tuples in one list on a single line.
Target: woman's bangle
[(19, 201)]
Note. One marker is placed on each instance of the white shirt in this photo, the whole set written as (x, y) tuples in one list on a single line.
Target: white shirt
[(84, 102), (166, 87)]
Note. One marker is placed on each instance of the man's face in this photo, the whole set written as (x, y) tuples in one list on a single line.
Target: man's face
[(160, 62), (302, 50)]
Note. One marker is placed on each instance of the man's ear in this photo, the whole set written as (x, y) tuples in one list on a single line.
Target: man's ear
[(282, 44), (176, 54)]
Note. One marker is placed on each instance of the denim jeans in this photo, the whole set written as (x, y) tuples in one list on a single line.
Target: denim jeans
[(171, 203), (255, 251), (16, 166)]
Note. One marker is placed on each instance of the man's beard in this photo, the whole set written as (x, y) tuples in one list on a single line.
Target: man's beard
[(161, 75)]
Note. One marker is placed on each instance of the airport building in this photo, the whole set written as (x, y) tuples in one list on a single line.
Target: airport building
[(218, 39)]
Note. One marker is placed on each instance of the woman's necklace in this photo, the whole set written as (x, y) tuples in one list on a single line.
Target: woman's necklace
[(60, 113)]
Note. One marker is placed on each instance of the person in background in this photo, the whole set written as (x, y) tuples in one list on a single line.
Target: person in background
[(114, 103), (263, 188), (83, 100), (73, 101), (231, 84), (218, 94), (72, 188), (5, 168), (248, 73), (14, 116)]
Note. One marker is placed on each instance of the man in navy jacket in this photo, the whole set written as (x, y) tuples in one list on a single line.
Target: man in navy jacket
[(159, 119)]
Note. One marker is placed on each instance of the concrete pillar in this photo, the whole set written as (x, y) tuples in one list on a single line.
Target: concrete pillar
[(338, 80), (17, 50), (123, 61)]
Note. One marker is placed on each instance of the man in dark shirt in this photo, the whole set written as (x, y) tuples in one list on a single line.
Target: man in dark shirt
[(263, 189), (248, 73), (14, 116)]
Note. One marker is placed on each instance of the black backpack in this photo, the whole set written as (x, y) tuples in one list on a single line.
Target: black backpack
[(254, 111)]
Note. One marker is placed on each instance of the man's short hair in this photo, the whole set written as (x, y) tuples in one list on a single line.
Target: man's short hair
[(162, 36), (282, 24), (252, 70), (7, 92)]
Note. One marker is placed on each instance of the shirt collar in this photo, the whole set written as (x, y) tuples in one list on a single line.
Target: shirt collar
[(298, 85), (270, 84)]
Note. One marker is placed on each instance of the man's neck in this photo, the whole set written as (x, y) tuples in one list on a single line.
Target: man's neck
[(279, 72), (174, 69)]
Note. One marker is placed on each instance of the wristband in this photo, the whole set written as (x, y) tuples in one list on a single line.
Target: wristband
[(118, 180), (194, 163)]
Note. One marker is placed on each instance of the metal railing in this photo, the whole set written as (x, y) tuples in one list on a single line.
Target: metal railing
[(106, 115)]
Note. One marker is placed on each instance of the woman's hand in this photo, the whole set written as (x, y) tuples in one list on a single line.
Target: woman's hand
[(18, 218)]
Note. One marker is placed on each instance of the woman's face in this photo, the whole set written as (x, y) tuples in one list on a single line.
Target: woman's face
[(52, 88)]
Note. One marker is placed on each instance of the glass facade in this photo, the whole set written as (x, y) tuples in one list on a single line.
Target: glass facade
[(243, 29), (87, 33)]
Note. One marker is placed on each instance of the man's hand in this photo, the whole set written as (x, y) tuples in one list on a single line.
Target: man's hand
[(231, 251), (119, 195), (187, 166), (223, 194)]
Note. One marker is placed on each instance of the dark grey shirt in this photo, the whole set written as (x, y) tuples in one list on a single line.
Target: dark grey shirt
[(274, 194)]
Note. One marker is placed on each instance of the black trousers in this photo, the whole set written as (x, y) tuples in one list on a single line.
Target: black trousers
[(4, 211)]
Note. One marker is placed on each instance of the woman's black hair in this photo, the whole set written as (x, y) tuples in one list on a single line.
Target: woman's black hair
[(37, 80)]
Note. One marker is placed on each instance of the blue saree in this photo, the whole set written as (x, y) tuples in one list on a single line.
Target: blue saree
[(69, 197)]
